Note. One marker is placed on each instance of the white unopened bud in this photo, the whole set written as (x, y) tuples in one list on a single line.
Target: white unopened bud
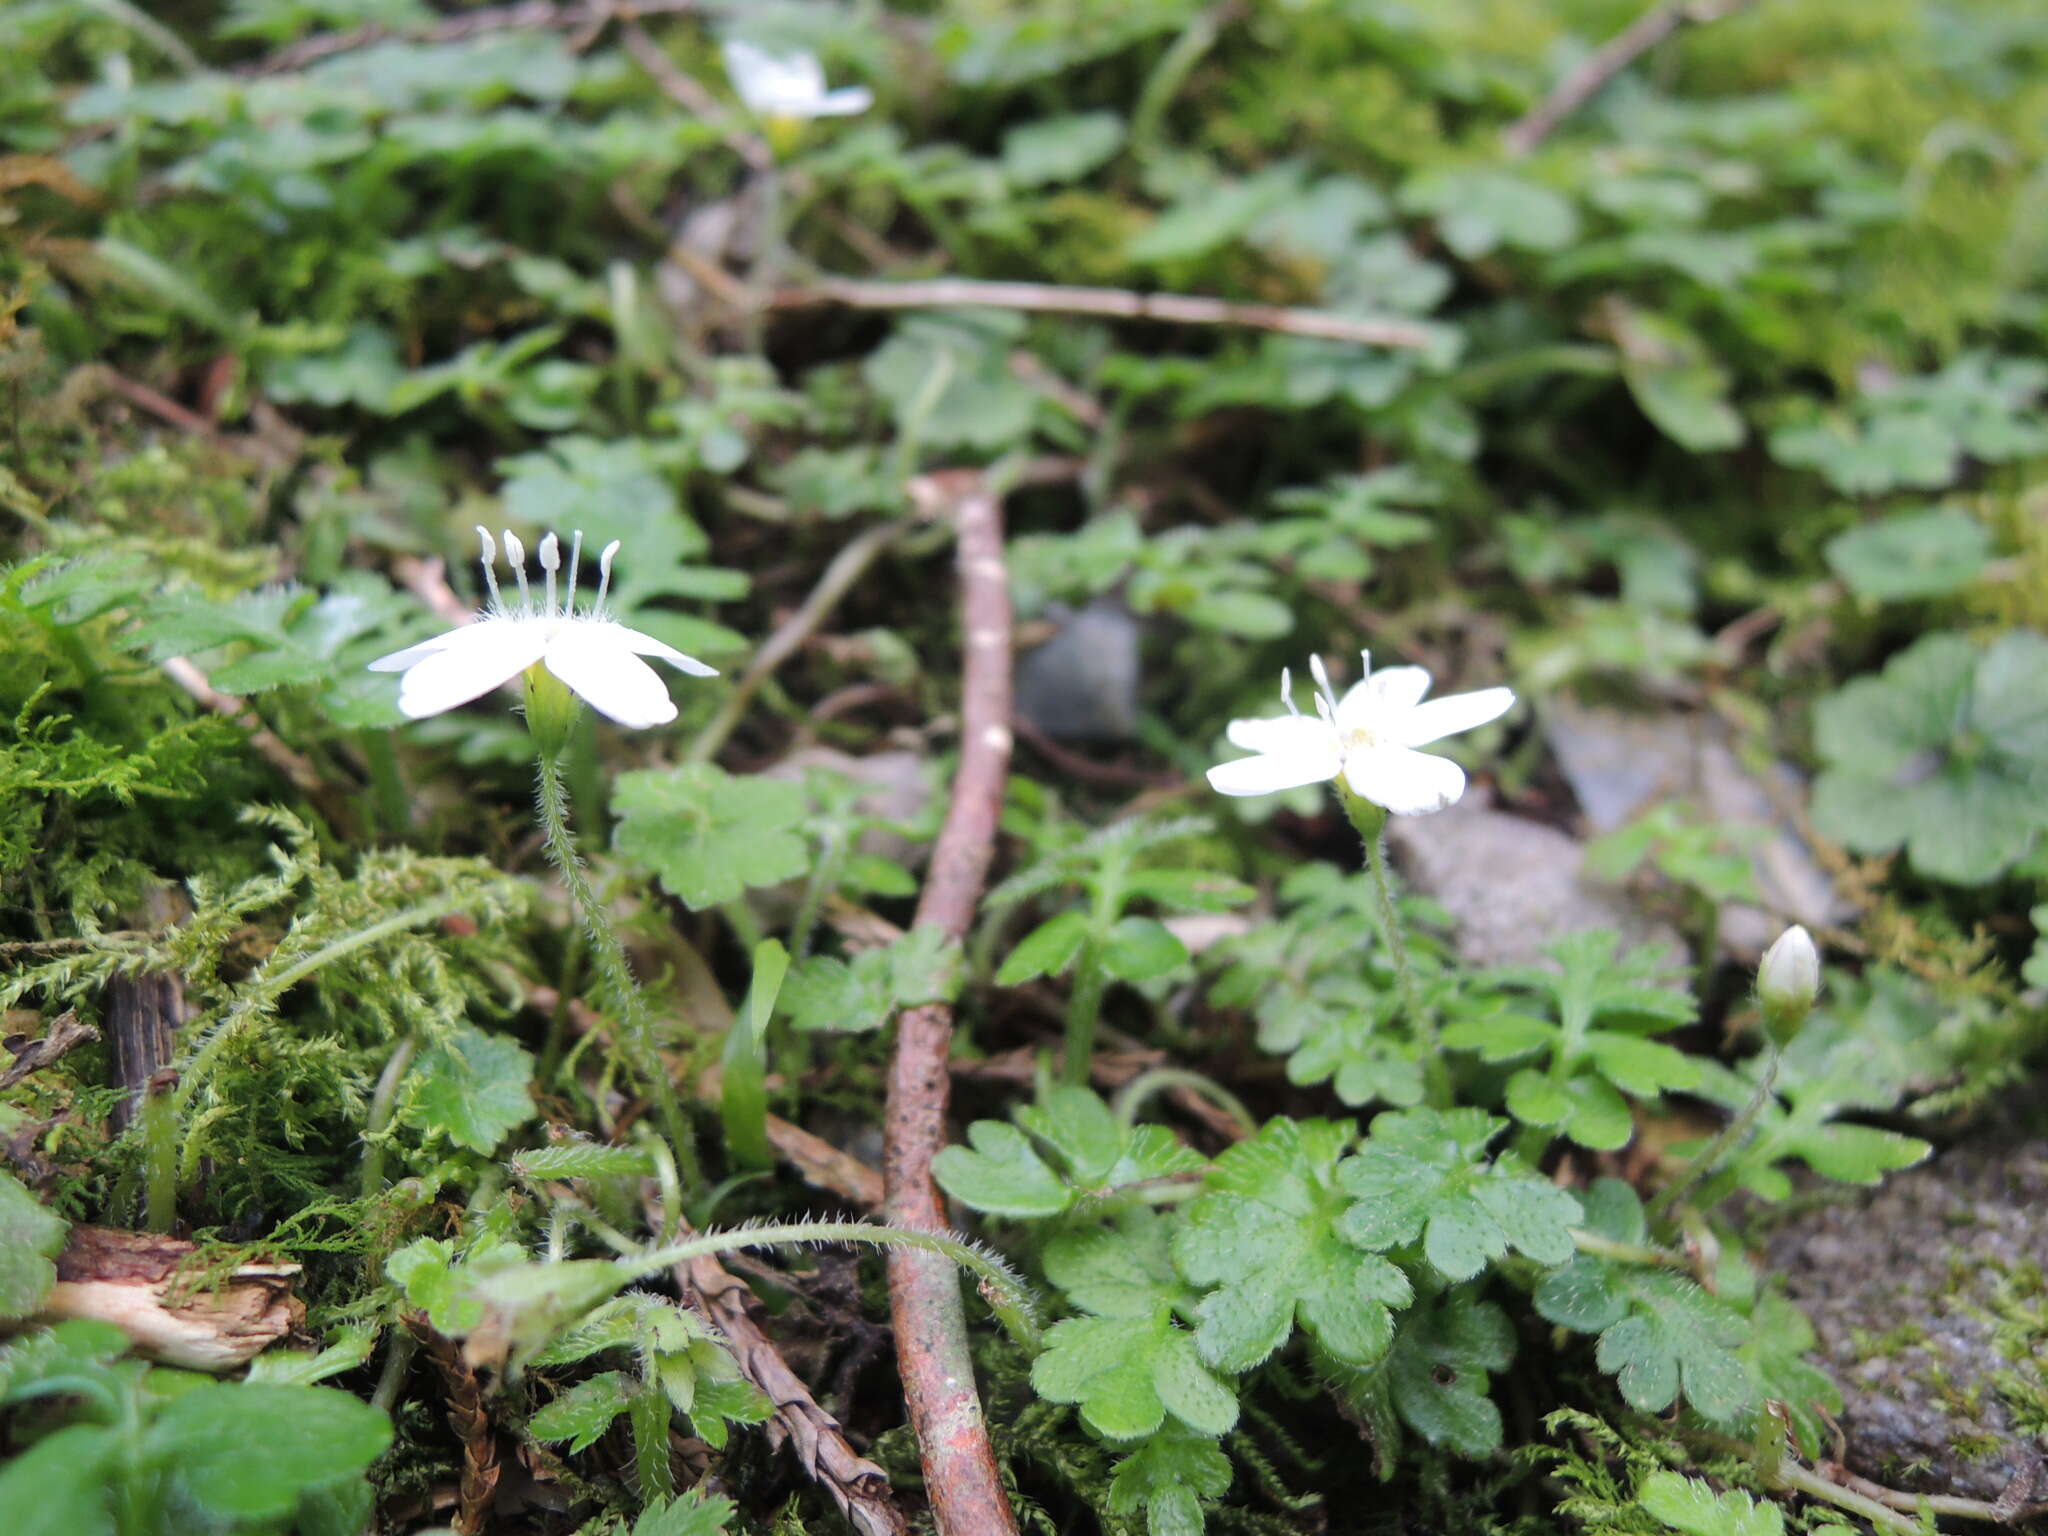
[(1788, 981)]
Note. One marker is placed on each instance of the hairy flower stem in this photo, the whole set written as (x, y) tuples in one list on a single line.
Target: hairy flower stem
[(1005, 1293), (1371, 823), (1710, 1157), (1084, 1008), (614, 973)]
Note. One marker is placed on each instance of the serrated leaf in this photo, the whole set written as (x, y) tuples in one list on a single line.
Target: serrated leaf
[(706, 835), (1264, 1233), (583, 1413), (31, 1236), (472, 1087), (1422, 1174), (691, 1513), (1911, 555), (1142, 948), (1000, 1172), (1046, 951), (1168, 1477), (1686, 1504)]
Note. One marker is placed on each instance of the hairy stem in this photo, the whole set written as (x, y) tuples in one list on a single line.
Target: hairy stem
[(1710, 1157), (1084, 1008), (1006, 1294), (614, 972), (1371, 823), (382, 1101)]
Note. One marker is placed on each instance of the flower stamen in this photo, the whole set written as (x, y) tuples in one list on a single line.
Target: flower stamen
[(515, 556), (490, 560), (551, 562), (575, 559), (604, 573)]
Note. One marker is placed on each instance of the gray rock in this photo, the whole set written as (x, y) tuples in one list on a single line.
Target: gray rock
[(1082, 684), (1902, 1286), (1620, 764), (1512, 885)]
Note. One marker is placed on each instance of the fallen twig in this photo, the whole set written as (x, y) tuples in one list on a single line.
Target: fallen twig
[(534, 15), (268, 744), (855, 1484), (1610, 59), (686, 93), (961, 1478), (1113, 303), (67, 1032)]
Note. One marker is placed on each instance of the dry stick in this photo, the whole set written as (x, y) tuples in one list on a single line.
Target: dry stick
[(1607, 61), (469, 1419), (847, 568), (535, 14), (1113, 303), (961, 1479), (686, 93), (855, 1484), (304, 776)]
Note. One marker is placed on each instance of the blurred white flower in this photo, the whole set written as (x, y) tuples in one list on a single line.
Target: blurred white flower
[(790, 85), (1368, 738), (595, 657)]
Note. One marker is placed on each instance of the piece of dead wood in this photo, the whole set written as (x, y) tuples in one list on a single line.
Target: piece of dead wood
[(482, 1465), (859, 1487), (932, 1355), (130, 1279), (67, 1032)]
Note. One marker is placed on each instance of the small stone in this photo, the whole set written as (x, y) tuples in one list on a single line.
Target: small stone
[(1082, 684)]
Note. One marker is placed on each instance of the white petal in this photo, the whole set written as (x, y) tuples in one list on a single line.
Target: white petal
[(1290, 734), (844, 102), (398, 661), (773, 82), (609, 677), (647, 645), (1271, 772), (1376, 700), (475, 660), (1452, 713), (1404, 782)]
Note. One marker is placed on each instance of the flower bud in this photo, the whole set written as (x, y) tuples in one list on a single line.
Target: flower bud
[(1787, 982)]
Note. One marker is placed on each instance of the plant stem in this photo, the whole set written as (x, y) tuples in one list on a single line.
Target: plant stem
[(1131, 1098), (382, 1102), (1733, 1134), (1004, 1291), (614, 972), (1084, 1007), (1371, 823), (160, 1156)]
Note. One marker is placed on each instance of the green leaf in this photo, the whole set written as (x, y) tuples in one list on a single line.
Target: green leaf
[(1675, 380), (59, 1486), (1050, 150), (1168, 1477), (1480, 209), (743, 1089), (947, 381), (472, 1087), (1689, 1505), (706, 835), (1911, 555), (584, 1412), (828, 994), (1140, 949), (1265, 1234), (1131, 1363), (1659, 1333), (1000, 1173), (1046, 951), (692, 1513), (1435, 1379), (1423, 1174), (31, 1236), (247, 1452), (1945, 752)]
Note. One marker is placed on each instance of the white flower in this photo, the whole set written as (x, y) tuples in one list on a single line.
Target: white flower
[(1789, 976), (788, 84), (597, 658), (1368, 737)]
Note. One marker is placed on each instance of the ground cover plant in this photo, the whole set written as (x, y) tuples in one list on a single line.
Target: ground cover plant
[(651, 879)]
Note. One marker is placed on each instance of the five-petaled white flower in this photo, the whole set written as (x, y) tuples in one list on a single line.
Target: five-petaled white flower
[(790, 85), (1368, 737), (596, 657)]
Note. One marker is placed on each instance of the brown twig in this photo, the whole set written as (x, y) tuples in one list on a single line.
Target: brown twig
[(268, 744), (482, 1465), (686, 93), (1610, 59), (533, 14), (855, 1484), (1112, 303), (67, 1032), (961, 1478)]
